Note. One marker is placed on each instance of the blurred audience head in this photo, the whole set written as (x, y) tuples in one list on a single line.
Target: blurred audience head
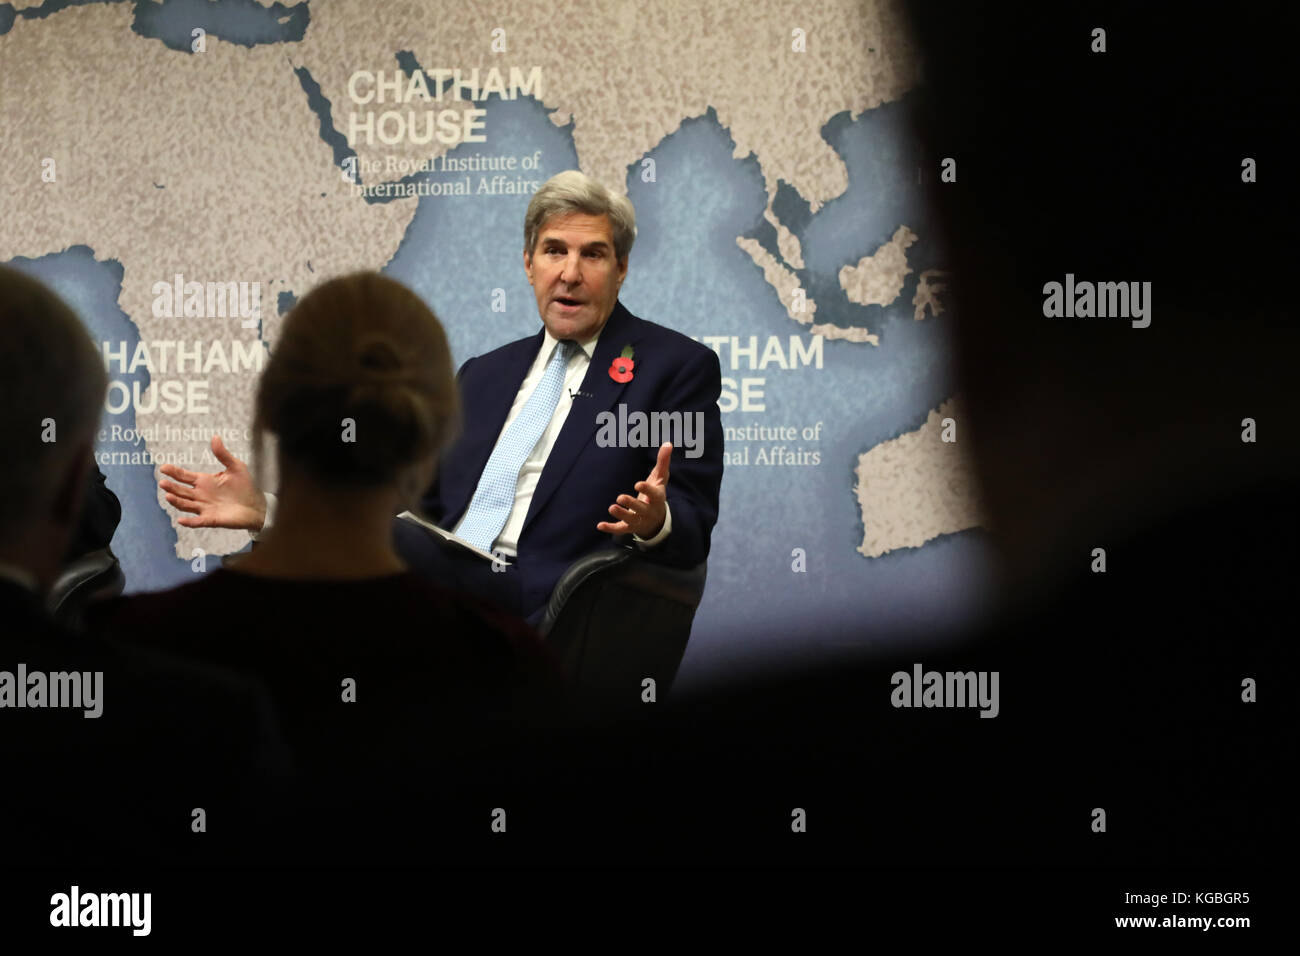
[(1073, 161), (359, 390), (53, 382)]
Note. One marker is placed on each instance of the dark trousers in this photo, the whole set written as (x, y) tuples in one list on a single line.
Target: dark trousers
[(457, 569)]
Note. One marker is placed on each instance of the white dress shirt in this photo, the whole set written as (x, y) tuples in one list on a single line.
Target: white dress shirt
[(508, 540)]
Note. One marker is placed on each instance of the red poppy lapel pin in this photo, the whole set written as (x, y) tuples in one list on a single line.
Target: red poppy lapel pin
[(621, 369)]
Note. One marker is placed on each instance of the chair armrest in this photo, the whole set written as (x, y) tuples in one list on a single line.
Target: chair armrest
[(679, 585), (616, 617), (97, 573), (578, 573)]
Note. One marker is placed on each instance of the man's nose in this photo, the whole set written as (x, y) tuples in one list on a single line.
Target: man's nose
[(571, 274)]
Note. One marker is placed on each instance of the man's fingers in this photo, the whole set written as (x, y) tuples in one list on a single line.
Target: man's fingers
[(639, 510), (179, 473), (223, 455), (662, 462), (184, 504), (651, 490), (632, 505), (180, 491)]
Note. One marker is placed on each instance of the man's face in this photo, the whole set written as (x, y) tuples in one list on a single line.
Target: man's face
[(574, 274)]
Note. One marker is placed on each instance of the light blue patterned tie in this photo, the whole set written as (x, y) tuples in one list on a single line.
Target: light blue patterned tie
[(495, 494)]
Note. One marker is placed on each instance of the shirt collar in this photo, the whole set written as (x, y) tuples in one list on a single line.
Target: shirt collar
[(589, 347)]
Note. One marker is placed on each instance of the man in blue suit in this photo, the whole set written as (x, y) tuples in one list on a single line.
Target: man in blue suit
[(556, 457)]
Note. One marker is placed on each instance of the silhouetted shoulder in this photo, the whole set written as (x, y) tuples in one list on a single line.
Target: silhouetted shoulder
[(402, 615), (117, 742)]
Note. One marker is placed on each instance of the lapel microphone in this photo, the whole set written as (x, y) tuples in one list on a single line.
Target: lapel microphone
[(578, 393)]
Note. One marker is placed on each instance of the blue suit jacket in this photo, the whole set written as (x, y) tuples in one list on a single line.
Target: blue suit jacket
[(580, 479)]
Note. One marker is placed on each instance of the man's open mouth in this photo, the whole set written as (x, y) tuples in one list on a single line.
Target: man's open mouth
[(566, 300)]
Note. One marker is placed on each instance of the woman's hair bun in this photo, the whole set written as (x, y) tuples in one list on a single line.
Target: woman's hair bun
[(360, 382), (378, 354)]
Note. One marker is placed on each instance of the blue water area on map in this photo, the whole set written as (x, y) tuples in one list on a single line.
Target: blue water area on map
[(245, 22), (145, 541)]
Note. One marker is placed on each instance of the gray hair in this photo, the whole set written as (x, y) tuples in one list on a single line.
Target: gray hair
[(54, 385), (573, 192)]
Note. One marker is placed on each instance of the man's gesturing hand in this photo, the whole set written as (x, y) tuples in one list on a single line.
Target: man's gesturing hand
[(227, 499), (643, 515)]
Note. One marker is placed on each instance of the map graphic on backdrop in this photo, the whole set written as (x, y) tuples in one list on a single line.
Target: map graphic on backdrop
[(182, 172)]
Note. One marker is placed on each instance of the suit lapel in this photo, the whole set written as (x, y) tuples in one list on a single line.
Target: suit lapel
[(580, 427)]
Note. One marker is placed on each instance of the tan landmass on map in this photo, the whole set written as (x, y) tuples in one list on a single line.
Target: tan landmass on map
[(928, 289), (630, 73), (916, 487), (786, 241), (783, 282), (249, 191), (877, 279)]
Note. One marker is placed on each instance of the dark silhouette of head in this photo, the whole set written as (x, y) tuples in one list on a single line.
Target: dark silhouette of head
[(1093, 164), (360, 389), (53, 382)]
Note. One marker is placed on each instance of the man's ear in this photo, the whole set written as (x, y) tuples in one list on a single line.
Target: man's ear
[(622, 270), (70, 487), (528, 266)]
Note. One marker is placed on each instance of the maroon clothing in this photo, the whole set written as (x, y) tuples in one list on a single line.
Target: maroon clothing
[(431, 667)]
